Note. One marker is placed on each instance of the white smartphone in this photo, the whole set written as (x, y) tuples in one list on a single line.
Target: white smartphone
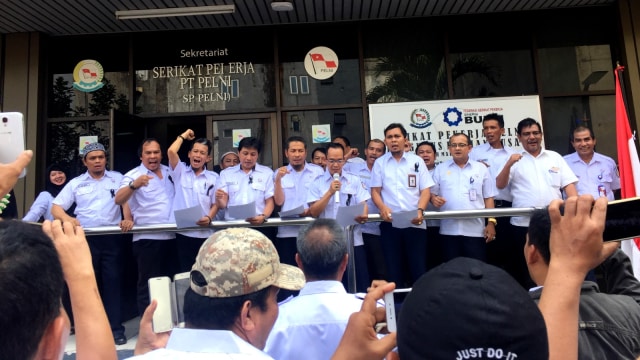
[(11, 137), (181, 283), (393, 303), (160, 289)]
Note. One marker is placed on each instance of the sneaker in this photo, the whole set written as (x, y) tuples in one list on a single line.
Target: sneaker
[(119, 338)]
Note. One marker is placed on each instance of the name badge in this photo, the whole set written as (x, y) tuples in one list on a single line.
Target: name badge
[(412, 180), (472, 194)]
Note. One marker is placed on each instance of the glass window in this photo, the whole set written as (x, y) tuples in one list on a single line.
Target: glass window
[(490, 60), (561, 115), (345, 122), (341, 88), (110, 54), (207, 70), (66, 137), (574, 54), (398, 67)]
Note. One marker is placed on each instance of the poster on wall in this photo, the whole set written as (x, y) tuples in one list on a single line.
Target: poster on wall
[(84, 141), (321, 133), (436, 121), (239, 134)]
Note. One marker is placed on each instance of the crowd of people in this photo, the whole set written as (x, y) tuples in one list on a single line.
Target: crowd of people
[(285, 295)]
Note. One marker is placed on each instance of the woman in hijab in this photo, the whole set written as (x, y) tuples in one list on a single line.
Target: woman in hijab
[(41, 208)]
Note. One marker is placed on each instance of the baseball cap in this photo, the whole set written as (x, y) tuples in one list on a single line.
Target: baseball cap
[(92, 147), (466, 309), (240, 261)]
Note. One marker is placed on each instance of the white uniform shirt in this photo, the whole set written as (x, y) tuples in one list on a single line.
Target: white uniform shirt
[(463, 188), (495, 158), (94, 198), (196, 344), (352, 163), (151, 204), (243, 188), (296, 186), (311, 324), (536, 181), (41, 207), (192, 190), (431, 207), (598, 178), (352, 192), (401, 181), (363, 172)]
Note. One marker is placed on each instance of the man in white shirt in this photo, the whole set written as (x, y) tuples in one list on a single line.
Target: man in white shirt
[(536, 176), (93, 194), (463, 184), (231, 306), (400, 181), (149, 191), (313, 322), (597, 174), (292, 184), (195, 187)]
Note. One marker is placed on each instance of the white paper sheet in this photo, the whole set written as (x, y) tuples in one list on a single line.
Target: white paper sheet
[(187, 217), (241, 212)]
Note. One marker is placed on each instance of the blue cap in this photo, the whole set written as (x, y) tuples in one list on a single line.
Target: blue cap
[(92, 147)]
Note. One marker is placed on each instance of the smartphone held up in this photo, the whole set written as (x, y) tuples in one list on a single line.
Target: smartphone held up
[(11, 137)]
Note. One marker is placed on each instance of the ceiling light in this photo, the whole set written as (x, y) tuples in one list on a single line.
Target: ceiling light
[(181, 11), (281, 6)]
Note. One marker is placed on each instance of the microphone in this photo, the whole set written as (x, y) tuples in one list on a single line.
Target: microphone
[(336, 195)]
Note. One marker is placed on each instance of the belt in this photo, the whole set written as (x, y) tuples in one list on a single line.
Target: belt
[(502, 203)]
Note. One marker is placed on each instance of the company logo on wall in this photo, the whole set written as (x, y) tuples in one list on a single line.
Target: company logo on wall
[(321, 63), (420, 119), (452, 116), (87, 76)]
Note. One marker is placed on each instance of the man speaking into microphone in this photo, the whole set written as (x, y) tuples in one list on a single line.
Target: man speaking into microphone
[(335, 188)]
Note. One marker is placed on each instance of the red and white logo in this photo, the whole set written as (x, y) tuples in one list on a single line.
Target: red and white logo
[(321, 63)]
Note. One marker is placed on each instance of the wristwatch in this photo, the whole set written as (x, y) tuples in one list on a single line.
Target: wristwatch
[(131, 186)]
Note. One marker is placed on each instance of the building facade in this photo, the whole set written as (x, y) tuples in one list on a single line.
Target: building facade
[(227, 81)]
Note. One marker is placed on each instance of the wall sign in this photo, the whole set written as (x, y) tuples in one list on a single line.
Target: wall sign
[(321, 63), (87, 76)]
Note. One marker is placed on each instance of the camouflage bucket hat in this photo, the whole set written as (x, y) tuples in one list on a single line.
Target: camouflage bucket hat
[(240, 261)]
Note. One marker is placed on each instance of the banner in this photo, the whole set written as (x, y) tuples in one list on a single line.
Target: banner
[(629, 167), (436, 121)]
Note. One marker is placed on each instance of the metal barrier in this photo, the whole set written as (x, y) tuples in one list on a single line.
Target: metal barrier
[(273, 222)]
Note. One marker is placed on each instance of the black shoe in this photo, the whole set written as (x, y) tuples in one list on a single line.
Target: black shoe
[(119, 339)]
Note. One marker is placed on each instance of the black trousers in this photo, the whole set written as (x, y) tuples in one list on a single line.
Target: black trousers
[(154, 258)]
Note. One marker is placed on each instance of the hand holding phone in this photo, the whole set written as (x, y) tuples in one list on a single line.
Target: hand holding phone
[(160, 289), (392, 303), (11, 138)]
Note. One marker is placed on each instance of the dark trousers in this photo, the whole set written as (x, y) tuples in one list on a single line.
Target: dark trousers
[(362, 273), (375, 256), (499, 251), (435, 253), (466, 246), (517, 265), (287, 249), (107, 256), (404, 246), (187, 249), (154, 258)]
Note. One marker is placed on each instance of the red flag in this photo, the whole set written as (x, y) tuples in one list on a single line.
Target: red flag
[(317, 57), (330, 64), (628, 162)]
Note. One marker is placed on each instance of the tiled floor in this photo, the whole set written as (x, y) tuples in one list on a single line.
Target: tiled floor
[(124, 351)]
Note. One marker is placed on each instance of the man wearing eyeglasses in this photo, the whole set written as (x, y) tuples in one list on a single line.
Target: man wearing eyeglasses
[(536, 177), (463, 184)]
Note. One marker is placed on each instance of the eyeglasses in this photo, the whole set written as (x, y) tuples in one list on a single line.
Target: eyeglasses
[(460, 145), (333, 161)]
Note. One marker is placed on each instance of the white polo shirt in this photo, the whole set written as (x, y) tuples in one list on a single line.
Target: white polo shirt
[(151, 204), (463, 188), (495, 158), (296, 186), (401, 182), (243, 188), (94, 198), (598, 178), (536, 181), (362, 171), (192, 190)]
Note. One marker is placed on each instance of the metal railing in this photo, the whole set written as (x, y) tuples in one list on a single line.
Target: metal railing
[(274, 222)]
